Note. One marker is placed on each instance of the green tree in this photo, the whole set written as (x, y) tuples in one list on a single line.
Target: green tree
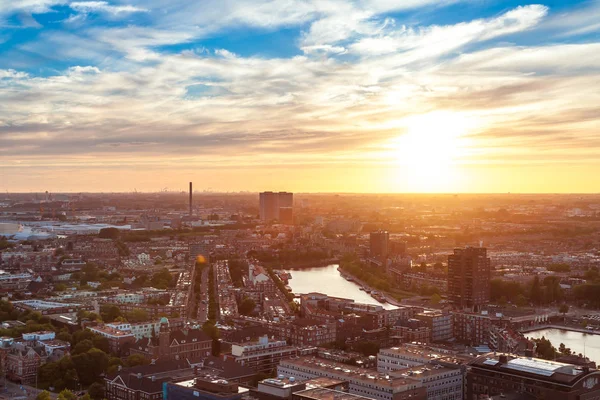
[(564, 349), (109, 313), (96, 391), (435, 298), (247, 306), (83, 347), (137, 315), (43, 395), (563, 309), (66, 394), (536, 291), (108, 233), (521, 301), (101, 343), (136, 359), (544, 348)]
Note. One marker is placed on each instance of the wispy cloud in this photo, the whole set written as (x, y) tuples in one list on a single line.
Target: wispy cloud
[(128, 87), (103, 6)]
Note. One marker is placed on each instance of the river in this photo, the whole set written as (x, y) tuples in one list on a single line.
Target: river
[(579, 342), (328, 280)]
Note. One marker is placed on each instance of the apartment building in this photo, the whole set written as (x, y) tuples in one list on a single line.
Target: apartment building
[(361, 382), (262, 355)]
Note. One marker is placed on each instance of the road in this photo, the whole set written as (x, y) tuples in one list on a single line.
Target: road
[(203, 304), (13, 391)]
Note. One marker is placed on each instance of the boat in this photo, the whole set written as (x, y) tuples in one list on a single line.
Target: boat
[(379, 297), (361, 288)]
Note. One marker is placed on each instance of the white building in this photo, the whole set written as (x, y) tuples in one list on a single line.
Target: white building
[(40, 335), (362, 382), (257, 274), (441, 383), (262, 355)]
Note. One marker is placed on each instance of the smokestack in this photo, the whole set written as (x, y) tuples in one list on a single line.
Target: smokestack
[(190, 199)]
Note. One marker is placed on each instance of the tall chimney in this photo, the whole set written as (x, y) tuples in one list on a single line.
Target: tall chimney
[(190, 199)]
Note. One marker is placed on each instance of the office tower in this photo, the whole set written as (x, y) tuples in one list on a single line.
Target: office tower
[(379, 244), (469, 278), (190, 199), (271, 204)]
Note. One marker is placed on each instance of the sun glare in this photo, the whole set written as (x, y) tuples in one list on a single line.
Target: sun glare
[(428, 150)]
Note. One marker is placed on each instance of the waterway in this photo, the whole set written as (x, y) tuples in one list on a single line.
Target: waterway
[(328, 280), (579, 342)]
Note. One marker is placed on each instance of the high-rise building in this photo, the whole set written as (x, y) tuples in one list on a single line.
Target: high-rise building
[(271, 204), (469, 277), (379, 244)]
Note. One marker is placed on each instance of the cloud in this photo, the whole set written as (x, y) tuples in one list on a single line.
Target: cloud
[(118, 96), (437, 40), (103, 6)]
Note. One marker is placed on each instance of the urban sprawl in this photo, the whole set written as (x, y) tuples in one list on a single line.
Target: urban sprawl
[(191, 295)]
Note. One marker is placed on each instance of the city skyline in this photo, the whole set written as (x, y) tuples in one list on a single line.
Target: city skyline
[(303, 96)]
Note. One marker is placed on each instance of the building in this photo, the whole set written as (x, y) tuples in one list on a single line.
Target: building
[(286, 215), (178, 344), (271, 203), (441, 382), (118, 340), (23, 363), (14, 282), (411, 330), (325, 394), (406, 356), (361, 382), (145, 382), (439, 323), (379, 244), (497, 373), (51, 307), (278, 388), (472, 328), (469, 278), (262, 355), (205, 387), (304, 332)]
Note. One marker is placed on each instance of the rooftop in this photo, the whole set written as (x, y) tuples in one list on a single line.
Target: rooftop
[(368, 376), (327, 394), (534, 367)]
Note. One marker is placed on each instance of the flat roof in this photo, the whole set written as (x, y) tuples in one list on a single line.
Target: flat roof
[(327, 394)]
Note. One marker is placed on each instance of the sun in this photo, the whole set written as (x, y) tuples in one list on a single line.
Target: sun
[(427, 153)]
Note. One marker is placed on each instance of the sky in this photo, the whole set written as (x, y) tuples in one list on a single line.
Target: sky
[(301, 95)]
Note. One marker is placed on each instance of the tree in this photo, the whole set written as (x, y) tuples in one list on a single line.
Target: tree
[(564, 349), (536, 291), (109, 313), (108, 233), (101, 343), (136, 359), (435, 298), (563, 309), (137, 315), (67, 395), (83, 347), (544, 349), (521, 301), (247, 306), (44, 395), (96, 391)]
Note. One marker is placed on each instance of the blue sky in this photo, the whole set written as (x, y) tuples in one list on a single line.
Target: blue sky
[(211, 88)]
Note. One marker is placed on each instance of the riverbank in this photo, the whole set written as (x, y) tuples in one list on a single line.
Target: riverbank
[(561, 327), (310, 264), (391, 300)]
